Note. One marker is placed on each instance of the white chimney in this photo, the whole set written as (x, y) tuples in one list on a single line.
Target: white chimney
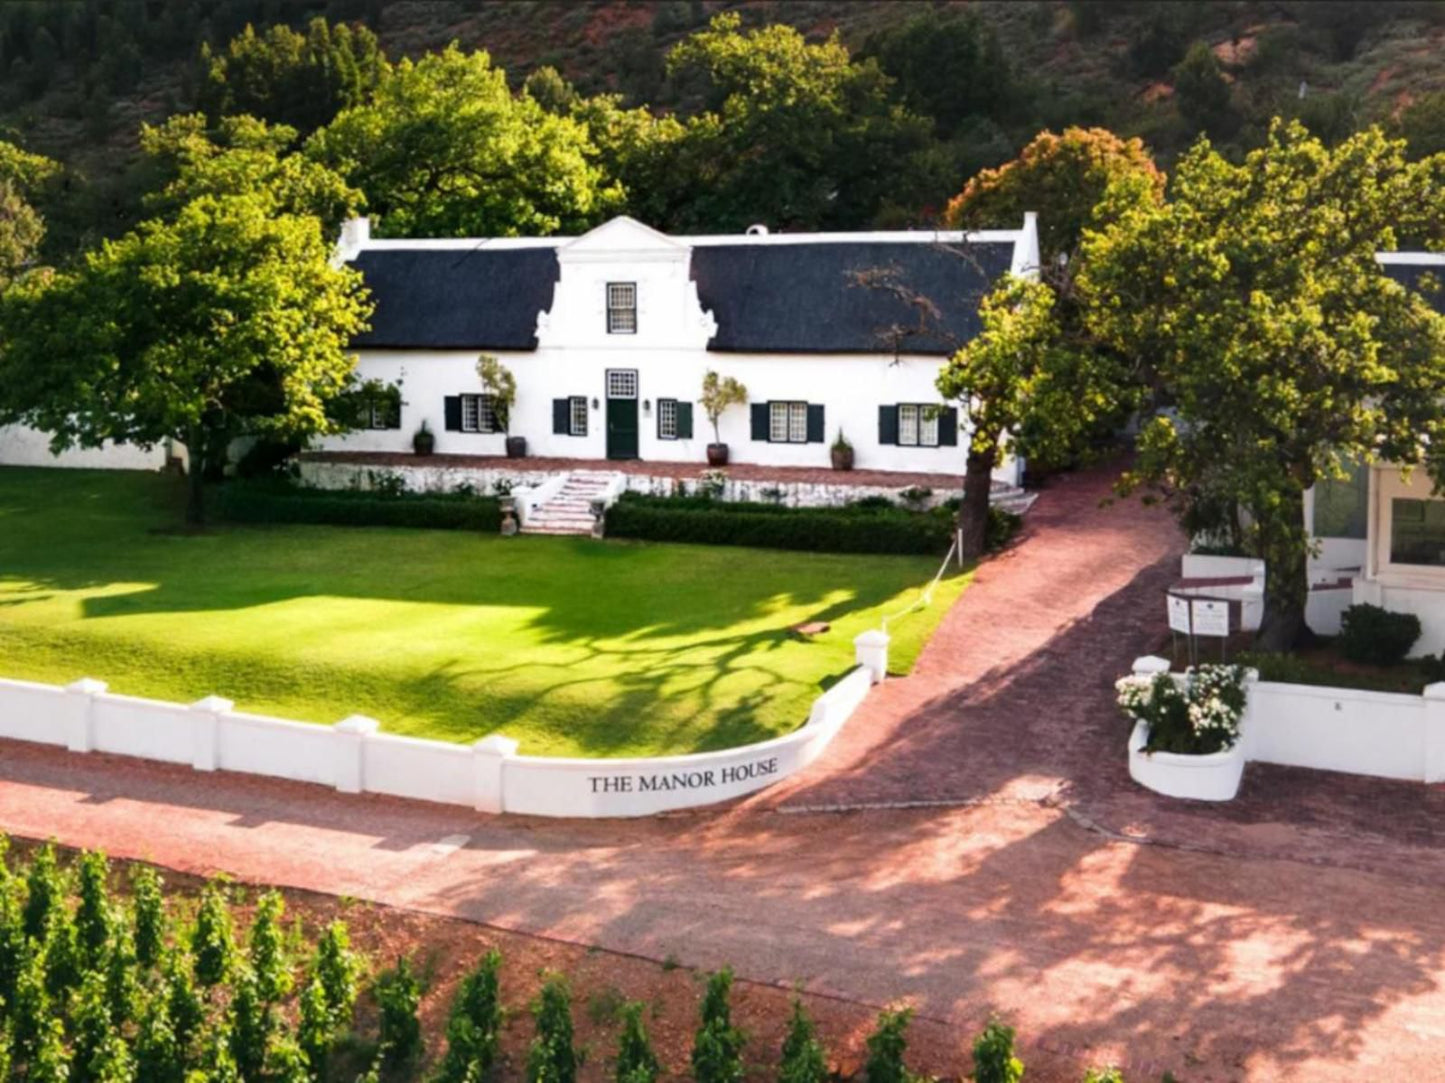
[(355, 233)]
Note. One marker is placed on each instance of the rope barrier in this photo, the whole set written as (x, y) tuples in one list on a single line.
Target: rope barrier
[(926, 598)]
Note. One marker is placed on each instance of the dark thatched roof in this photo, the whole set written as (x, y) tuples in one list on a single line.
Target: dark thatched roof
[(846, 297), (450, 298), (1428, 279)]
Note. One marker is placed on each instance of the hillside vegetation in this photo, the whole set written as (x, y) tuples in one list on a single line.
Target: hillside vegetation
[(82, 75)]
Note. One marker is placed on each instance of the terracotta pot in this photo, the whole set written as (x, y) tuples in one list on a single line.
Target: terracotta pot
[(516, 447), (842, 458), (424, 443), (717, 454)]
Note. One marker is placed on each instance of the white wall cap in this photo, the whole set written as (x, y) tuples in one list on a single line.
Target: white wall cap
[(87, 686), (1434, 691), (497, 745), (359, 724), (873, 637), (218, 704), (1409, 259), (1151, 663)]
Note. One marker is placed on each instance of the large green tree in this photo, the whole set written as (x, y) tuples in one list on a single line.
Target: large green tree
[(228, 318), (445, 149), (1026, 379), (791, 134), (1272, 336), (286, 77)]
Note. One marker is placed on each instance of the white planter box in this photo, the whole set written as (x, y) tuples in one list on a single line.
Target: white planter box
[(1214, 777)]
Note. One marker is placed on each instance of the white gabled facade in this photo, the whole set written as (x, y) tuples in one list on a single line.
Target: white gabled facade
[(663, 361)]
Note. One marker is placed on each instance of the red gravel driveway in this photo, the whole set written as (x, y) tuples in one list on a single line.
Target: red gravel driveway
[(1295, 934)]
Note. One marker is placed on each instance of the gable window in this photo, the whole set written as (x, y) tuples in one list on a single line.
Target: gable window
[(622, 308), (917, 425), (479, 413)]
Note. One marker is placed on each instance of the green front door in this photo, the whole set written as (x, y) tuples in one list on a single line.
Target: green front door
[(621, 414)]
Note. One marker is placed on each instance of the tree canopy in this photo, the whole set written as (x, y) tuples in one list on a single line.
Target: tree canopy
[(445, 149), (1063, 177), (790, 133), (285, 77), (228, 318), (21, 226), (1270, 333), (243, 155)]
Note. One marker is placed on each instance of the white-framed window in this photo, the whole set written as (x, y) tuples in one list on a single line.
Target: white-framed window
[(788, 422), (479, 413), (621, 384), (667, 419), (917, 425), (622, 308), (577, 415)]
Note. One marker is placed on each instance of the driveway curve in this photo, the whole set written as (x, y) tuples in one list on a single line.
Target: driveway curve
[(970, 844)]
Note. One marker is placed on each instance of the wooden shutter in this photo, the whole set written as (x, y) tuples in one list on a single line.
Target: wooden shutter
[(888, 424), (684, 421), (948, 427), (452, 412), (562, 417), (760, 420), (815, 423)]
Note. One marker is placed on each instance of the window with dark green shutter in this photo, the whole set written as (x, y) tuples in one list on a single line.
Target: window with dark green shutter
[(561, 417), (888, 424), (684, 421), (790, 423), (452, 413), (759, 417)]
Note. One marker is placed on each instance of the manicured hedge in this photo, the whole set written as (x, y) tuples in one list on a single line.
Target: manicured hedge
[(767, 526), (243, 503)]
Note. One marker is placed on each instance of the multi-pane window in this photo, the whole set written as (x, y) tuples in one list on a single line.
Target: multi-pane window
[(479, 413), (1341, 505), (667, 419), (917, 425), (1417, 532), (788, 422), (578, 415), (622, 308), (621, 384)]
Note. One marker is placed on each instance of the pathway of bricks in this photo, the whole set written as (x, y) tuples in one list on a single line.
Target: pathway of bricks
[(1293, 935)]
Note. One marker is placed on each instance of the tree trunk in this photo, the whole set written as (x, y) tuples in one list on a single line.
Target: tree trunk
[(973, 511), (196, 476), (1286, 584)]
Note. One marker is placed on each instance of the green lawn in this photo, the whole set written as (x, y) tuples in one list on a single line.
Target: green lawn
[(572, 646)]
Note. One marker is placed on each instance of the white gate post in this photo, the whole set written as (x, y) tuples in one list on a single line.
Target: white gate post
[(351, 734), (1434, 732), (80, 713), (490, 755), (870, 650), (205, 731)]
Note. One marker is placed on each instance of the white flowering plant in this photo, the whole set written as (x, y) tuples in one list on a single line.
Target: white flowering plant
[(1193, 715)]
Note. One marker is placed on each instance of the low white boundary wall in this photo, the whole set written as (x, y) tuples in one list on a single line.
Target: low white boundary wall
[(354, 757), (1382, 734)]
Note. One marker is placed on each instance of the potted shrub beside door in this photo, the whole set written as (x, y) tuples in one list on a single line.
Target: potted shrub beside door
[(501, 387), (718, 393)]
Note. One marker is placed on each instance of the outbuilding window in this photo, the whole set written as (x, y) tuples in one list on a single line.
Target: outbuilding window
[(1417, 532), (622, 308)]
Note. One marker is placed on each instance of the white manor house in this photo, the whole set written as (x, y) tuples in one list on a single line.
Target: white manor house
[(610, 334)]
